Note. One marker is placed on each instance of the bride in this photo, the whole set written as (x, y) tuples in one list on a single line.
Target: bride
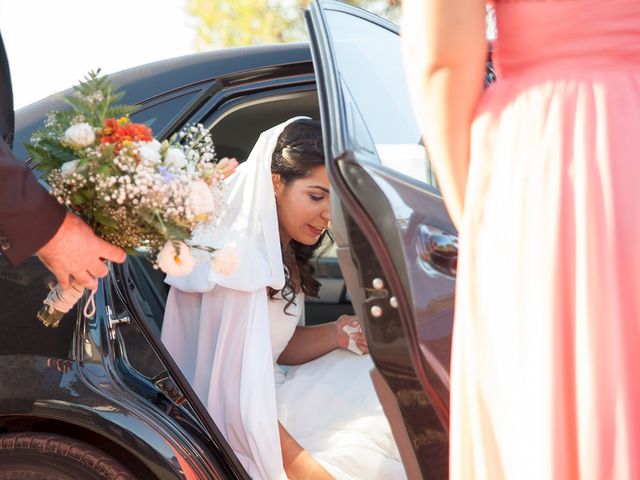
[(318, 416)]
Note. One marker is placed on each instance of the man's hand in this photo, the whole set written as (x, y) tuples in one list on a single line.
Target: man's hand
[(342, 339), (75, 251)]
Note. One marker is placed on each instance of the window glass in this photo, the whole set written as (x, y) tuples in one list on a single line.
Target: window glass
[(369, 60), (158, 114)]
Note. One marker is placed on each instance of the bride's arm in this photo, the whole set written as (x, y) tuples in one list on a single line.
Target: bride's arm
[(298, 463), (308, 343), (445, 49)]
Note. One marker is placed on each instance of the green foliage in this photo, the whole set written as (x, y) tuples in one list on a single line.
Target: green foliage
[(229, 23), (49, 154), (94, 100), (103, 219)]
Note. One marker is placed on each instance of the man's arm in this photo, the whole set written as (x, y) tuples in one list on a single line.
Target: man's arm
[(31, 221), (29, 216)]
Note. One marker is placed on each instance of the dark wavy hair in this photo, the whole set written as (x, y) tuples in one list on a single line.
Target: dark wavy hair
[(298, 151)]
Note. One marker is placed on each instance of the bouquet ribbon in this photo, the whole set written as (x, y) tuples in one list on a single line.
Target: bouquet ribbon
[(60, 300)]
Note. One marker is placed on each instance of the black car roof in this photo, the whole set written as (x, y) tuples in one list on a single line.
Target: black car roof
[(147, 81)]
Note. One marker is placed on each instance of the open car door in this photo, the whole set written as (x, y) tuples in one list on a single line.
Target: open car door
[(396, 245)]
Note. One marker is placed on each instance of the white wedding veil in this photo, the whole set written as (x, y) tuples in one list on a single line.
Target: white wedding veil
[(217, 327)]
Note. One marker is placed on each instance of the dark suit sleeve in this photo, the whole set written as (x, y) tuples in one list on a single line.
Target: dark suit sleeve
[(29, 216)]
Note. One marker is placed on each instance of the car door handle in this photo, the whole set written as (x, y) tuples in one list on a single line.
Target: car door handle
[(438, 251)]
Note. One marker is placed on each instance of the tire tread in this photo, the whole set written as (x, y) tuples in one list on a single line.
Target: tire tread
[(78, 450)]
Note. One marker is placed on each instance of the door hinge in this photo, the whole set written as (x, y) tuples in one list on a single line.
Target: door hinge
[(115, 322)]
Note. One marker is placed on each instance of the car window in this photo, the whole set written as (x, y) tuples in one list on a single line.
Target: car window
[(370, 64), (158, 113)]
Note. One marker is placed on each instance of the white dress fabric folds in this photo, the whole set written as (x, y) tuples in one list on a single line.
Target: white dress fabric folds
[(219, 340), (330, 407)]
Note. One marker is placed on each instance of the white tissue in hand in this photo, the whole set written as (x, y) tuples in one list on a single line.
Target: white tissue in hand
[(349, 330)]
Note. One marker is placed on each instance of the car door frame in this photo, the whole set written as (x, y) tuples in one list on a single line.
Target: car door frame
[(381, 292)]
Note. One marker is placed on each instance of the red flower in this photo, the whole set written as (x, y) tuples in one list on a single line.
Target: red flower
[(121, 130)]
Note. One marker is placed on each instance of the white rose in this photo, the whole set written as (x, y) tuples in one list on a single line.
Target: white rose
[(225, 261), (79, 135), (68, 168), (175, 259), (148, 153), (201, 199), (175, 158), (153, 144)]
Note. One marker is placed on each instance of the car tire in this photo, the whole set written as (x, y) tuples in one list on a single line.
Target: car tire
[(42, 456)]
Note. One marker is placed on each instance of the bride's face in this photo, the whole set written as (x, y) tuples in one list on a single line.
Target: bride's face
[(303, 207)]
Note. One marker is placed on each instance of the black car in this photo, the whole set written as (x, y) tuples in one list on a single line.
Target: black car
[(101, 398)]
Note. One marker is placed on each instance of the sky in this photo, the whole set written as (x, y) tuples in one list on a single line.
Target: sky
[(52, 44)]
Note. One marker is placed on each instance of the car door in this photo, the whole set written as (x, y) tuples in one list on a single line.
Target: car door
[(396, 245)]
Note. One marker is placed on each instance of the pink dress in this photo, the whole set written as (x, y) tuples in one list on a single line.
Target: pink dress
[(546, 349)]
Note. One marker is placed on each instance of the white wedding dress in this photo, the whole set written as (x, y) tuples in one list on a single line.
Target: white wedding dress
[(225, 335), (330, 407)]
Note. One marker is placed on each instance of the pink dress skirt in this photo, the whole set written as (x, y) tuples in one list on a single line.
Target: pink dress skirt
[(546, 346)]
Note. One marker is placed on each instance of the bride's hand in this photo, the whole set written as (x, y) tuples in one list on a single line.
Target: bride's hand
[(342, 339)]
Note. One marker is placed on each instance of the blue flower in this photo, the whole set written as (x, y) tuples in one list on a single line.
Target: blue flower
[(166, 175)]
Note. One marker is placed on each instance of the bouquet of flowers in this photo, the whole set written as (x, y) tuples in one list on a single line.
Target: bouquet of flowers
[(142, 195)]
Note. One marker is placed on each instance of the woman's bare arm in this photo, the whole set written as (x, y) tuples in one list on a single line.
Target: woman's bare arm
[(309, 343), (445, 48)]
